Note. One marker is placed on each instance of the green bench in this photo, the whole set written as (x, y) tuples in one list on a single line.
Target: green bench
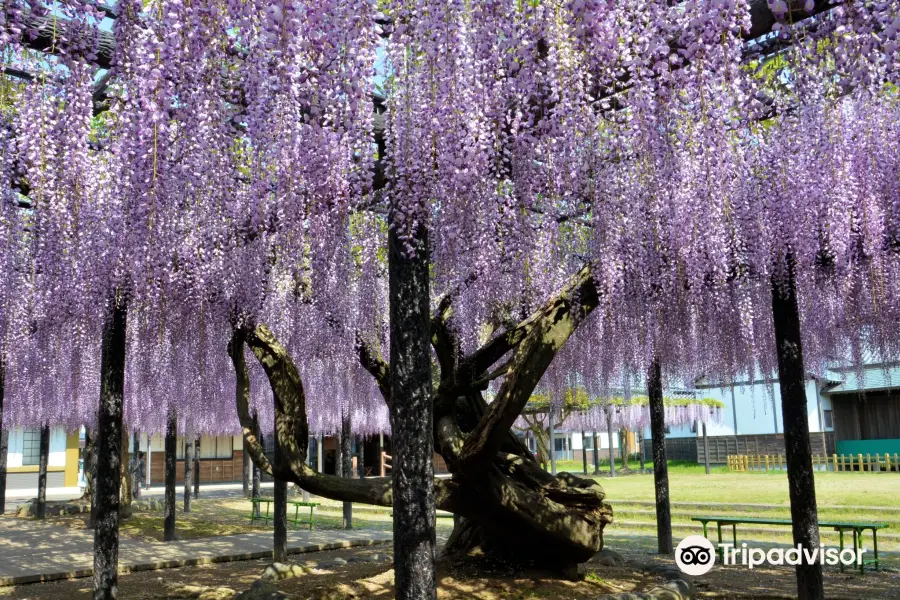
[(857, 528), (303, 520), (257, 515)]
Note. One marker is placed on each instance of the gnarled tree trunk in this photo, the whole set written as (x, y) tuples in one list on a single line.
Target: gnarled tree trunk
[(506, 503)]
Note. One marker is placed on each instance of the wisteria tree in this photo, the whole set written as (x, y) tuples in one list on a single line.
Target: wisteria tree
[(709, 185)]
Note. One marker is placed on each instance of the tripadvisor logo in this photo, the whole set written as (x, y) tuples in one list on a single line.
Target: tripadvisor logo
[(695, 555)]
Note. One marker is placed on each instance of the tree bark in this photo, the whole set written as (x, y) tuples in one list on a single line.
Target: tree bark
[(4, 438), (609, 435), (188, 472), (171, 452), (109, 448), (660, 464), (279, 531), (584, 453), (623, 448), (361, 465), (41, 508), (197, 467), (792, 384), (346, 465), (411, 419), (596, 454)]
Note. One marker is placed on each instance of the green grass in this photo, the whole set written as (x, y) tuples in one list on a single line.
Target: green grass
[(688, 484)]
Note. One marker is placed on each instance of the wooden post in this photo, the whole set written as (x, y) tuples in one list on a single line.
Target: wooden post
[(584, 452), (197, 467), (136, 483), (171, 449), (4, 438), (381, 454), (609, 434), (41, 508), (660, 465), (412, 413), (188, 471), (552, 442), (596, 453), (320, 457), (279, 531), (245, 473), (109, 448), (641, 443), (795, 416), (705, 449), (347, 465), (257, 474)]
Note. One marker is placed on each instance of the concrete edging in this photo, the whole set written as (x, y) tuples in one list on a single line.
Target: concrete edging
[(185, 562)]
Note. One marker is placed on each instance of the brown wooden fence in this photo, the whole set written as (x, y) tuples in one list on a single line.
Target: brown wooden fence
[(772, 444)]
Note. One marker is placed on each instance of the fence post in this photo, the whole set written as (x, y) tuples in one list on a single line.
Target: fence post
[(834, 458)]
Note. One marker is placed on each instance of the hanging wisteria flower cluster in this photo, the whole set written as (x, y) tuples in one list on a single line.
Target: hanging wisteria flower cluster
[(225, 171)]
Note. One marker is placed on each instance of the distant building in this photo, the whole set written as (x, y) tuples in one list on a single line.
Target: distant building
[(23, 458)]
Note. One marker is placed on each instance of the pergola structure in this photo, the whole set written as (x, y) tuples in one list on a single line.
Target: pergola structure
[(473, 436)]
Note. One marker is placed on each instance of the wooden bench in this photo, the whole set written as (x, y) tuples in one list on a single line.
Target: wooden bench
[(857, 528)]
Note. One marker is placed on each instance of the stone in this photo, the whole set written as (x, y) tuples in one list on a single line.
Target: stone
[(25, 510), (261, 590), (331, 564), (677, 589), (626, 596), (609, 558), (200, 592), (671, 574), (576, 572), (278, 571)]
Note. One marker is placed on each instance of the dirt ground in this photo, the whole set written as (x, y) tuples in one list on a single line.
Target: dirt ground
[(375, 580)]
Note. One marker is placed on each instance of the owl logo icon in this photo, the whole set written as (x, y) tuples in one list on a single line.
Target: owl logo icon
[(695, 555)]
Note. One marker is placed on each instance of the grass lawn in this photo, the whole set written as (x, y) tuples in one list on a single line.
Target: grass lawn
[(687, 484)]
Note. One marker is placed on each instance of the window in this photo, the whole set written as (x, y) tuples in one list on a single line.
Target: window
[(668, 430), (31, 447), (210, 447), (587, 442), (560, 444), (829, 419), (693, 427)]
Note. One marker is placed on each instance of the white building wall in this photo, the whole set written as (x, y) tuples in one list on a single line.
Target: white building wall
[(757, 408), (577, 442), (57, 456)]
